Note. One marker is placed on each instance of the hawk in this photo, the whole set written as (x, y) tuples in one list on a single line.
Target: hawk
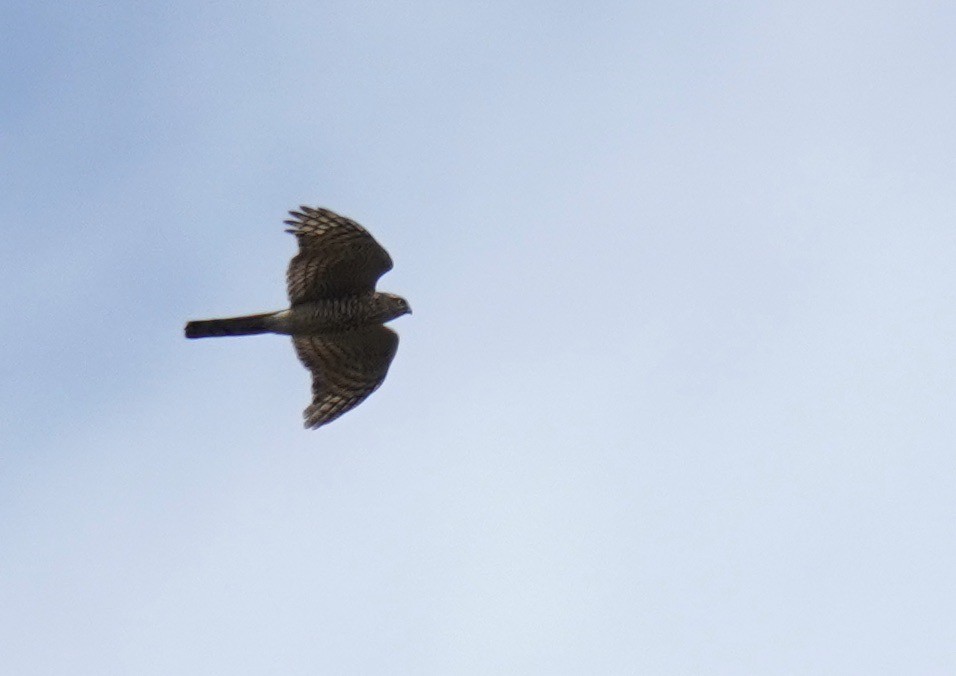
[(336, 317)]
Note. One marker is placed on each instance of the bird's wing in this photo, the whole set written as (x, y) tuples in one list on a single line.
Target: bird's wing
[(337, 257), (346, 367)]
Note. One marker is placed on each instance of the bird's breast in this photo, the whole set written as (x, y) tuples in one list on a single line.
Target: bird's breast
[(334, 314)]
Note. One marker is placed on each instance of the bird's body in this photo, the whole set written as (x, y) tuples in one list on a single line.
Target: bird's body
[(336, 318), (306, 319)]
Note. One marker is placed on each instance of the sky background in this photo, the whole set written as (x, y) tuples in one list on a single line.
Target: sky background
[(677, 396)]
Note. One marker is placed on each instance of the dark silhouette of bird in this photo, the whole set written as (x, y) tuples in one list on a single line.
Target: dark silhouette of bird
[(336, 317)]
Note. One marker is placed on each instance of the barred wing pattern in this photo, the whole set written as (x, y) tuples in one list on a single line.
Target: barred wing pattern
[(346, 367), (337, 257)]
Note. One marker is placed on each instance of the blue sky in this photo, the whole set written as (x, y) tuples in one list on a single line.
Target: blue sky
[(677, 396)]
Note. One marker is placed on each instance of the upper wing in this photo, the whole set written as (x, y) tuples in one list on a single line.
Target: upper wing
[(346, 367), (337, 257)]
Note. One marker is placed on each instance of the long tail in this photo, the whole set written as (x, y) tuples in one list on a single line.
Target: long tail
[(233, 326)]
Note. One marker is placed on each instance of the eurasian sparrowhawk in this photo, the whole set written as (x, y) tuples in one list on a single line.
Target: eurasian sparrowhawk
[(336, 318)]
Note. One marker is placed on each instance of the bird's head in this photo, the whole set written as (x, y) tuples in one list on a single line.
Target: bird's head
[(393, 306)]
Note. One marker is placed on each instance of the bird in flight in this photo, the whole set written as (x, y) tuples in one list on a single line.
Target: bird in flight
[(336, 317)]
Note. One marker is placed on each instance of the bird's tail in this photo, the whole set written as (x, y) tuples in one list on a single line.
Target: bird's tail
[(233, 326)]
